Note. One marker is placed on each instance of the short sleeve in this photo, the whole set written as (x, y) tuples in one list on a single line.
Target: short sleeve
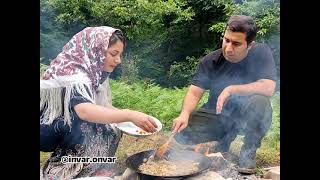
[(78, 99), (264, 64), (201, 76)]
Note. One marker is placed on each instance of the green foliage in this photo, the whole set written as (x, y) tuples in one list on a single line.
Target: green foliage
[(218, 28), (52, 35), (130, 69), (139, 19), (148, 98), (162, 103), (180, 74), (273, 136), (43, 67), (161, 34), (266, 14), (43, 157)]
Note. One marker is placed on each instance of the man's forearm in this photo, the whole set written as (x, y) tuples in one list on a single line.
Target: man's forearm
[(190, 101), (262, 87)]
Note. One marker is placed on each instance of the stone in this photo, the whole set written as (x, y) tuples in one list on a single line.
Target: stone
[(218, 162), (215, 155), (128, 174), (273, 173), (209, 175)]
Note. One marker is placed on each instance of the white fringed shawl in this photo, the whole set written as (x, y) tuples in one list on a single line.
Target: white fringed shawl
[(54, 105)]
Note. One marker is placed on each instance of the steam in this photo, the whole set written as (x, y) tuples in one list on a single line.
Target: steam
[(53, 35)]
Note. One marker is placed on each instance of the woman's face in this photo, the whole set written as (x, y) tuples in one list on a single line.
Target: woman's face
[(113, 56)]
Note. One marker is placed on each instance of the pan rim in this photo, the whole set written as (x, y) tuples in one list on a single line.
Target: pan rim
[(206, 161)]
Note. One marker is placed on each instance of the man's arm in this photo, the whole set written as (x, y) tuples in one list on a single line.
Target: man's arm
[(190, 102), (265, 87)]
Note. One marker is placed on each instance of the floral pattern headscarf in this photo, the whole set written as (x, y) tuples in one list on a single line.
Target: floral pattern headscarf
[(86, 51), (78, 68)]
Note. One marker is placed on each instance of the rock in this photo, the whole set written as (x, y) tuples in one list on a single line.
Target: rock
[(218, 162), (210, 175), (273, 173), (129, 174), (215, 155)]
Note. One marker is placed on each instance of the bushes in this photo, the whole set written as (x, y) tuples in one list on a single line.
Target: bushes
[(161, 34), (162, 103), (43, 66), (273, 136), (180, 74)]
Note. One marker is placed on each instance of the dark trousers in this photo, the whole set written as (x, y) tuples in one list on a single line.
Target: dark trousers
[(248, 115)]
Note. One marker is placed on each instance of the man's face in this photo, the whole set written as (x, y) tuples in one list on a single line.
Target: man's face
[(234, 46)]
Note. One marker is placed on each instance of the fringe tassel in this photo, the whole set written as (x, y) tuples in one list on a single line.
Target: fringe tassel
[(104, 97), (52, 105), (51, 97), (50, 100)]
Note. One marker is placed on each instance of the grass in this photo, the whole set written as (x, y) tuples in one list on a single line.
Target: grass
[(163, 103), (43, 157)]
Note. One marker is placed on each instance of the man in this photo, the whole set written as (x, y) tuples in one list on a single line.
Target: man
[(240, 78)]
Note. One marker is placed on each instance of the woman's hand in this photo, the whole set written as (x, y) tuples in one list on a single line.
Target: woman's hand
[(142, 120)]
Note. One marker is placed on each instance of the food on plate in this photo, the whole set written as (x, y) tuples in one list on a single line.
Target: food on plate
[(141, 132)]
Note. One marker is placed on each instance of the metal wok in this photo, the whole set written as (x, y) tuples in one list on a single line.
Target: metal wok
[(174, 156)]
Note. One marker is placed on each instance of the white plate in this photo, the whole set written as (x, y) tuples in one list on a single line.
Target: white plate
[(132, 129)]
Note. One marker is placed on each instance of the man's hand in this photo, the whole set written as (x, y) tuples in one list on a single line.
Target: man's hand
[(222, 99), (264, 87), (190, 102), (180, 123)]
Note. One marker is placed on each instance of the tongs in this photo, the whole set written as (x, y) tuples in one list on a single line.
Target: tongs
[(163, 148)]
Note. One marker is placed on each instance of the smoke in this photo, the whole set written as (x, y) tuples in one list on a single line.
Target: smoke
[(274, 44), (53, 35)]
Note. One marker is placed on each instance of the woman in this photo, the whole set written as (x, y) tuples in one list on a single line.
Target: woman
[(76, 113)]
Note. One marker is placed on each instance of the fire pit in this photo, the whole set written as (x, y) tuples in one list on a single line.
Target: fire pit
[(179, 164), (220, 166)]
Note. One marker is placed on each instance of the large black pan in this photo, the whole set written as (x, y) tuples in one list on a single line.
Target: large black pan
[(136, 160), (204, 126)]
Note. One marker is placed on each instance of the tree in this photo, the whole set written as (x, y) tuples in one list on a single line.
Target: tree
[(164, 36)]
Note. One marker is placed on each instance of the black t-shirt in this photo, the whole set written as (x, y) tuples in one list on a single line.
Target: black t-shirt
[(214, 72)]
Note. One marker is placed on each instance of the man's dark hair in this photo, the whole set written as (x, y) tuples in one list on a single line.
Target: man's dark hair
[(244, 24), (117, 35)]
